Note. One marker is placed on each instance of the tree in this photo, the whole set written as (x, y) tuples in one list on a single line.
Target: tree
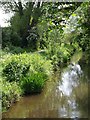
[(54, 18), (25, 17), (28, 14)]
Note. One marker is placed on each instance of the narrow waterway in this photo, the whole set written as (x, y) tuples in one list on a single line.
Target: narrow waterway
[(65, 95)]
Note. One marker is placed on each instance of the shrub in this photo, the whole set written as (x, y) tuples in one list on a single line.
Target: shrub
[(15, 50), (19, 65), (40, 64), (10, 93), (33, 83), (60, 54), (29, 70), (15, 67)]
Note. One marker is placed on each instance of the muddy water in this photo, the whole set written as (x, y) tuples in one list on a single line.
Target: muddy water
[(64, 96)]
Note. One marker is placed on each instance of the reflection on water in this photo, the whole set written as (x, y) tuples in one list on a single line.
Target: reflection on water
[(60, 99), (70, 79)]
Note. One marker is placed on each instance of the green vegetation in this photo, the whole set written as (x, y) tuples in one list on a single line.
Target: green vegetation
[(15, 67), (41, 37), (23, 74), (10, 93), (33, 83)]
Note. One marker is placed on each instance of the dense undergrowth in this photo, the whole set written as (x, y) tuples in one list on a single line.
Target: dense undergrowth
[(23, 74)]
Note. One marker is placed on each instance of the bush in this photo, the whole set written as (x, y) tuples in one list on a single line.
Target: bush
[(15, 50), (33, 83), (60, 55), (15, 67), (40, 64), (10, 93), (29, 70)]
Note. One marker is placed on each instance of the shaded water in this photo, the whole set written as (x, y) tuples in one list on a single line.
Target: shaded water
[(65, 96)]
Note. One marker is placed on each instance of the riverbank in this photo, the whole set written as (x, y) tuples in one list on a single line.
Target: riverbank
[(29, 72), (64, 96), (23, 74)]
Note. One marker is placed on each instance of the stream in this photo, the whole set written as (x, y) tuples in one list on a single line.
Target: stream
[(64, 96)]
